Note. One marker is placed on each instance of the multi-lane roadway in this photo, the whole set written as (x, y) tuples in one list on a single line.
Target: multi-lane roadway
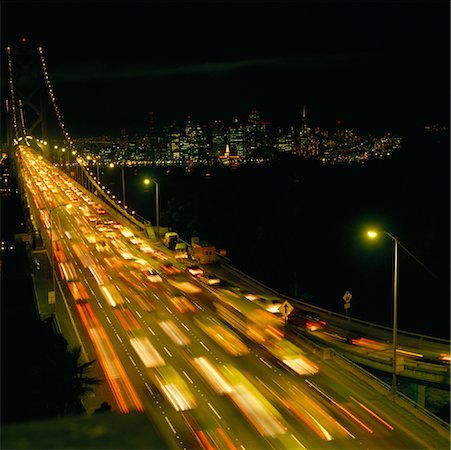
[(208, 369)]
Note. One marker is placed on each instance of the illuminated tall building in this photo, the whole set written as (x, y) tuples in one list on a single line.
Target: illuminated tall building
[(193, 143), (253, 134), (218, 138), (236, 139), (285, 141), (304, 120), (174, 147), (303, 141)]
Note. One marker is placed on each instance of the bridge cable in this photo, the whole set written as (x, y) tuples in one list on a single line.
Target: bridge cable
[(53, 99), (12, 92)]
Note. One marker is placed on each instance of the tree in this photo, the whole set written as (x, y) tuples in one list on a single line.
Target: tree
[(72, 382)]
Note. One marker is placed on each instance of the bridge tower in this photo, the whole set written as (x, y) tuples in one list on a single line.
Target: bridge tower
[(26, 106)]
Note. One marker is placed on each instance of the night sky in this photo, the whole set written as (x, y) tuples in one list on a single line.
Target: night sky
[(373, 65)]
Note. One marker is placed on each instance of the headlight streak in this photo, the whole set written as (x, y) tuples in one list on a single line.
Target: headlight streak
[(373, 414), (342, 408)]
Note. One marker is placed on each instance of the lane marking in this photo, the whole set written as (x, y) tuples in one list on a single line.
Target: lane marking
[(187, 376), (214, 410), (170, 424), (297, 440), (264, 362), (204, 346)]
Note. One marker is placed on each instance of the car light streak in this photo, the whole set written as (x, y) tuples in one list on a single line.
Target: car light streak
[(174, 333), (122, 320), (315, 426), (123, 376), (222, 336), (110, 362), (133, 319), (110, 374), (204, 441), (67, 271), (413, 354), (263, 421), (340, 407), (212, 375), (373, 414), (147, 352), (98, 275), (111, 295), (226, 439), (77, 290), (173, 388), (253, 405)]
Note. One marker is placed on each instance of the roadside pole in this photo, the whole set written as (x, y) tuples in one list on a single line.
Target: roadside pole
[(347, 305)]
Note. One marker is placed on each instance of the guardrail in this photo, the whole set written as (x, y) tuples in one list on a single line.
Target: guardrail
[(439, 424), (443, 425), (134, 218), (337, 315)]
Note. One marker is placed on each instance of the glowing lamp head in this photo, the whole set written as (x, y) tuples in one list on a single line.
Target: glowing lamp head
[(146, 181), (111, 165), (371, 234)]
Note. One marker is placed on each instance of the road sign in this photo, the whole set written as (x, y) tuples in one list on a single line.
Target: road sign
[(285, 309), (51, 297), (347, 297)]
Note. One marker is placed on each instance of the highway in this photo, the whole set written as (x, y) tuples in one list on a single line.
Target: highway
[(209, 368), (424, 357)]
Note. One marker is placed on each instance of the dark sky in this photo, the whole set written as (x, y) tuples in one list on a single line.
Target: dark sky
[(374, 65)]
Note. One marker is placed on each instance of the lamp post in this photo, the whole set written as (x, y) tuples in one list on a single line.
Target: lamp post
[(372, 235), (123, 186), (67, 205), (64, 159), (147, 181)]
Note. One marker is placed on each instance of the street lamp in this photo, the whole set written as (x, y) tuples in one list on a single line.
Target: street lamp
[(68, 206), (373, 234), (147, 181)]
